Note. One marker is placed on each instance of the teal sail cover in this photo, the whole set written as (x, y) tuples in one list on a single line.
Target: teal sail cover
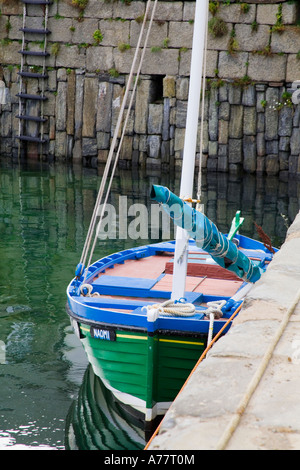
[(206, 235)]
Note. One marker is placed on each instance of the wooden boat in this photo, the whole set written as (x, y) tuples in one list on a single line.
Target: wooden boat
[(145, 315)]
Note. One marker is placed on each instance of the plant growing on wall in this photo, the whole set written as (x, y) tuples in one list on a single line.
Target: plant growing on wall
[(217, 27)]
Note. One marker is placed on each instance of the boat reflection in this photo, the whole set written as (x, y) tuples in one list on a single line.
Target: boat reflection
[(96, 421)]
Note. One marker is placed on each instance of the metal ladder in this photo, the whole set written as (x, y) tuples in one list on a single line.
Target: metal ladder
[(31, 106)]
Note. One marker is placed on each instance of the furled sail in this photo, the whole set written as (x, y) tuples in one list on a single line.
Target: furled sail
[(206, 235)]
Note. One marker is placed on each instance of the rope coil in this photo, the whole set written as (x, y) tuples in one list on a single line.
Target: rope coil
[(172, 308)]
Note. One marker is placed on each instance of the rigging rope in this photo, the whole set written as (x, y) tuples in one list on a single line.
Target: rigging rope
[(91, 229)]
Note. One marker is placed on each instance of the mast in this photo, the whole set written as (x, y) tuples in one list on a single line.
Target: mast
[(189, 151)]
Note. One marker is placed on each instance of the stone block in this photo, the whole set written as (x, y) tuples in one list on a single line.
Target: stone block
[(292, 68), (232, 66), (267, 68), (249, 120), (103, 121), (271, 114), (272, 164), (295, 142), (168, 11), (249, 152), (287, 41), (153, 146), (249, 40), (211, 63), (224, 111), (16, 23), (285, 121), (228, 12), (93, 10), (169, 87), (159, 32), (249, 96), (61, 106), (61, 145), (260, 144), (143, 97), (99, 59), (219, 43), (184, 60), (163, 62), (114, 32), (181, 112), (179, 139), (60, 29), (71, 85), (128, 10), (71, 57), (236, 122), (155, 118), (13, 7), (180, 34), (235, 153), (89, 147), (266, 14), (89, 107), (188, 11), (223, 132)]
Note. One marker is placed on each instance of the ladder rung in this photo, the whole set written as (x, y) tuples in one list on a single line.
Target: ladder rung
[(32, 97), (36, 53), (31, 139), (27, 117), (38, 2), (35, 31), (33, 75)]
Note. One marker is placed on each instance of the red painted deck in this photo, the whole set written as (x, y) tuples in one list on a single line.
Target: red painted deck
[(202, 276)]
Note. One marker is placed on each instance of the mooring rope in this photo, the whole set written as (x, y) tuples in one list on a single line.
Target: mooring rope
[(91, 229)]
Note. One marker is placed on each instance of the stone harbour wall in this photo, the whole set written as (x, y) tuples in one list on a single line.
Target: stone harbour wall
[(251, 121)]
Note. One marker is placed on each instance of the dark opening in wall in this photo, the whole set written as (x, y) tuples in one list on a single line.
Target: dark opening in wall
[(157, 89)]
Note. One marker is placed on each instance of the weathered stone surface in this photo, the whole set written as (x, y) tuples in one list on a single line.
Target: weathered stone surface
[(272, 164), (153, 146), (70, 56), (89, 107), (249, 120), (287, 41), (249, 40), (267, 68), (223, 132), (271, 123), (155, 118), (71, 84), (155, 62), (235, 151), (180, 34), (232, 66), (285, 121), (61, 106), (260, 144), (230, 11), (181, 110), (249, 151), (169, 87), (295, 142), (236, 122), (100, 59), (292, 68), (104, 107), (143, 97)]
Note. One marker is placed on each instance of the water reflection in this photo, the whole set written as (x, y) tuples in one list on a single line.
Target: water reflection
[(97, 422), (45, 211)]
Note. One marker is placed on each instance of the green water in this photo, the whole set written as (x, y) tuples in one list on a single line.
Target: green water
[(44, 215)]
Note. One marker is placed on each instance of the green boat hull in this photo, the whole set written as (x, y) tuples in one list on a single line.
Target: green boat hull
[(144, 372)]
